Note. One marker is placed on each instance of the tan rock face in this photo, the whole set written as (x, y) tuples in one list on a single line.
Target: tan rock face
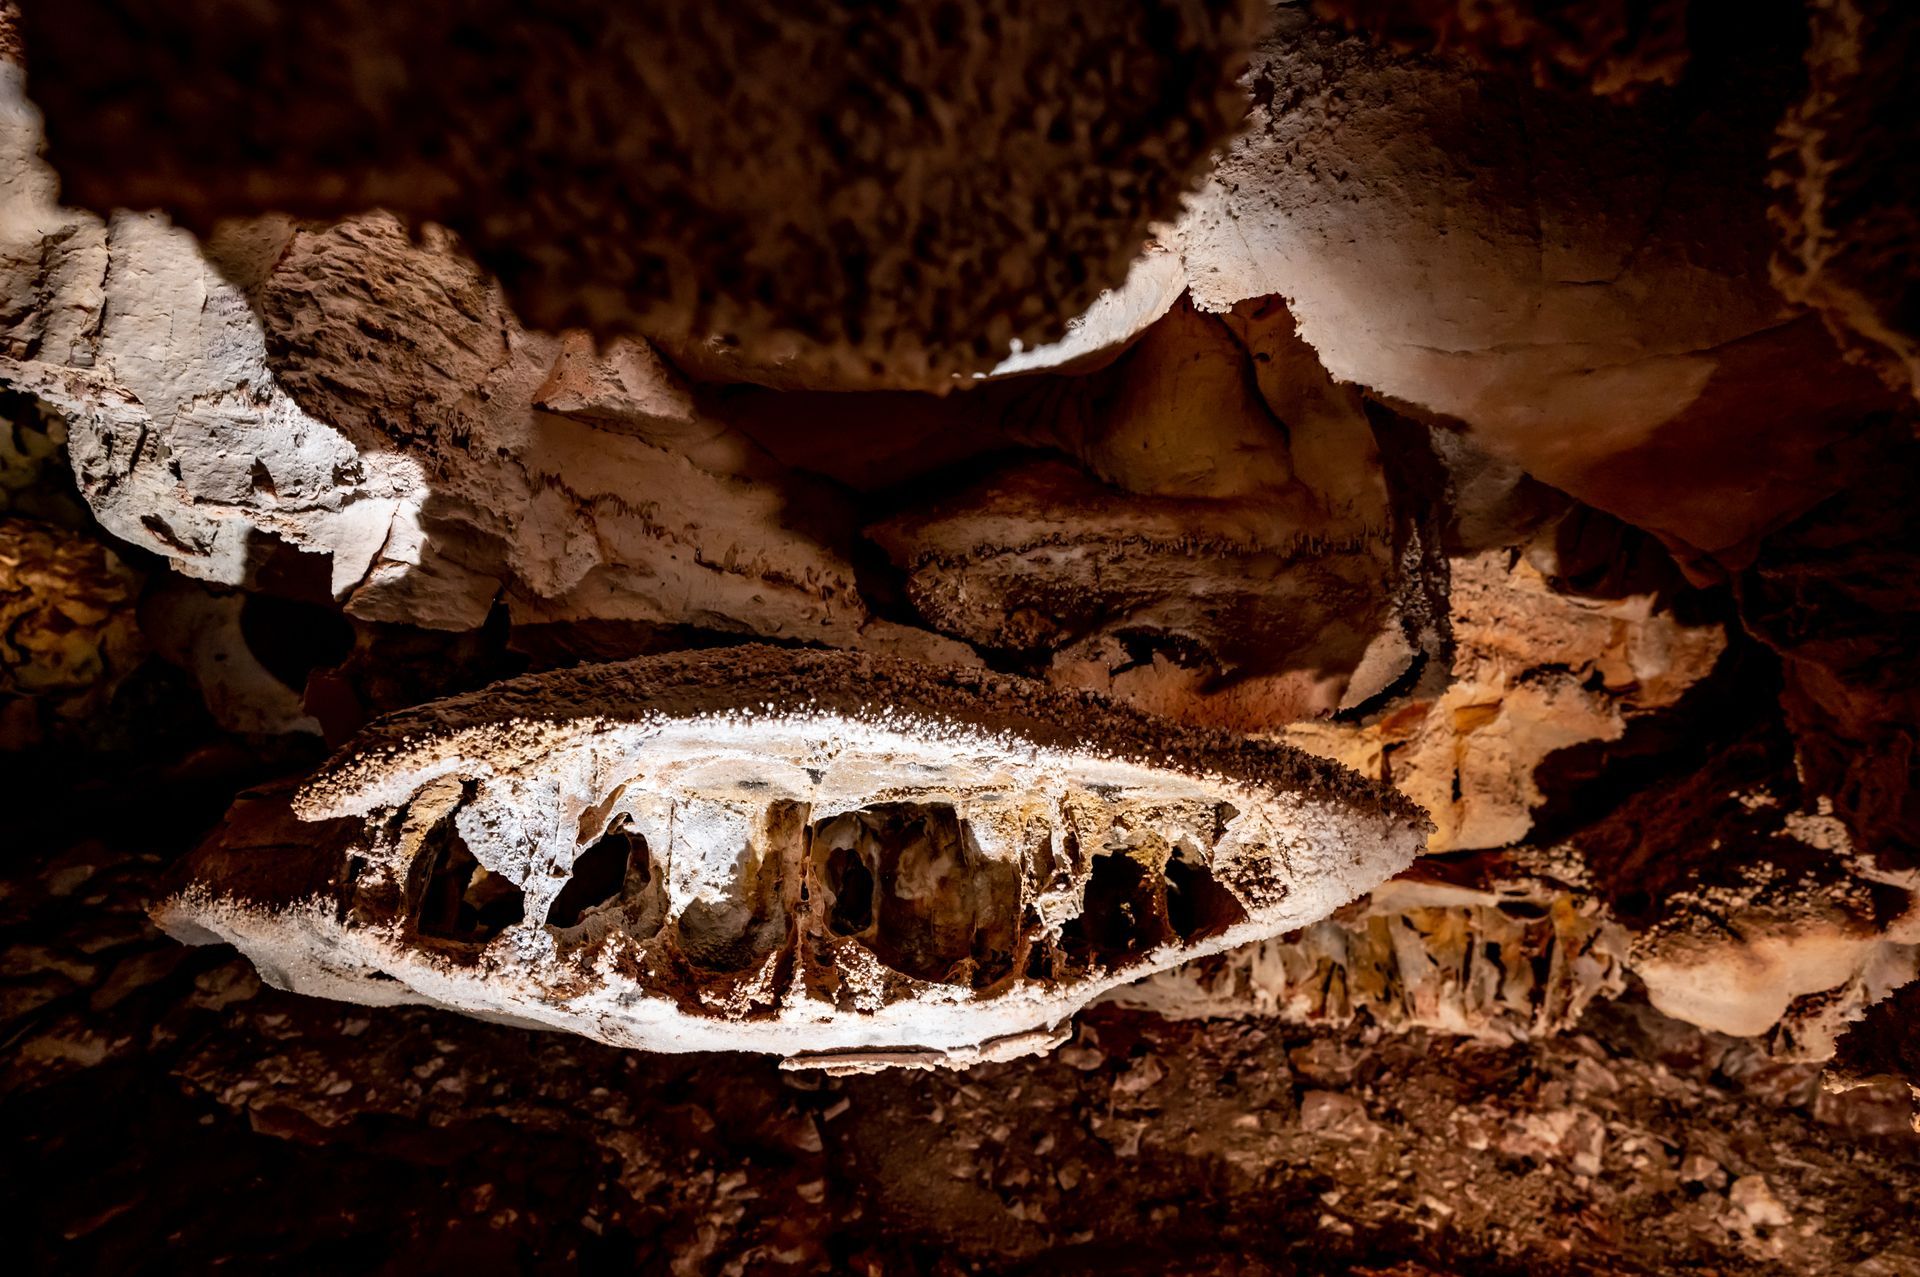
[(1579, 282), (813, 187), (1785, 929), (754, 849), (68, 636), (1505, 960), (1222, 550), (1534, 671)]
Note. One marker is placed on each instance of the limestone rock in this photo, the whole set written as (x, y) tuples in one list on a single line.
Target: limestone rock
[(1835, 595), (1849, 232), (1534, 671), (1154, 283), (68, 631), (1515, 956), (350, 392), (200, 630), (1582, 283), (1793, 932), (1228, 513), (860, 861)]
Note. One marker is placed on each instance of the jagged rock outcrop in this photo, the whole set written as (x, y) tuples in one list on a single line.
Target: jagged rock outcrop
[(1535, 670), (350, 393), (1223, 550), (851, 861), (1791, 930), (1505, 950)]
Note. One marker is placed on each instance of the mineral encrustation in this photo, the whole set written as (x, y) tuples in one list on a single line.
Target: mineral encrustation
[(1207, 636)]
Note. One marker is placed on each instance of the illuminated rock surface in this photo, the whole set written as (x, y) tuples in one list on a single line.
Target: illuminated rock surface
[(849, 861)]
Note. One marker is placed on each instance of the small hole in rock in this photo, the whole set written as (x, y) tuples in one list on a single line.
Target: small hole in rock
[(1198, 907), (599, 876), (1523, 910), (852, 885), (908, 879), (1125, 912), (463, 900), (291, 639)]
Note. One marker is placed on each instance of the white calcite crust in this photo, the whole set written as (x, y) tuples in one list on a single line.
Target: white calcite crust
[(846, 860)]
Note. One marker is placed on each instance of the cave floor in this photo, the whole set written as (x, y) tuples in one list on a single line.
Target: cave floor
[(140, 1074)]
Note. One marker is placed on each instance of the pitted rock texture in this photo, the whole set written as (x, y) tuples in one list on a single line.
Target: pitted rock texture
[(407, 1136), (754, 849), (1501, 950), (896, 194), (1750, 909)]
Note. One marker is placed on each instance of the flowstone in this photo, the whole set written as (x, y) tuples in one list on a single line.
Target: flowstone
[(847, 860)]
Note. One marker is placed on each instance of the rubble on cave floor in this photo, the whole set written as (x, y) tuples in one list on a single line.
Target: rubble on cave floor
[(1626, 1142)]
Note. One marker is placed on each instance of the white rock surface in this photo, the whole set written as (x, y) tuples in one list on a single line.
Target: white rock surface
[(1020, 851)]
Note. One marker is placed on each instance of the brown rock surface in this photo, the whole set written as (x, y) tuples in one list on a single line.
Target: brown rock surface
[(888, 194), (1847, 191), (846, 860), (371, 1136), (68, 636), (1608, 46)]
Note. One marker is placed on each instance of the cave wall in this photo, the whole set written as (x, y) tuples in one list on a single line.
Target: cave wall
[(1127, 483)]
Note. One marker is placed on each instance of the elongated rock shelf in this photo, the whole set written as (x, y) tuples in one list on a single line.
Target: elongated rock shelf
[(848, 860)]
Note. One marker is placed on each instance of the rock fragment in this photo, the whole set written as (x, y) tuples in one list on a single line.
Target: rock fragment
[(860, 862)]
